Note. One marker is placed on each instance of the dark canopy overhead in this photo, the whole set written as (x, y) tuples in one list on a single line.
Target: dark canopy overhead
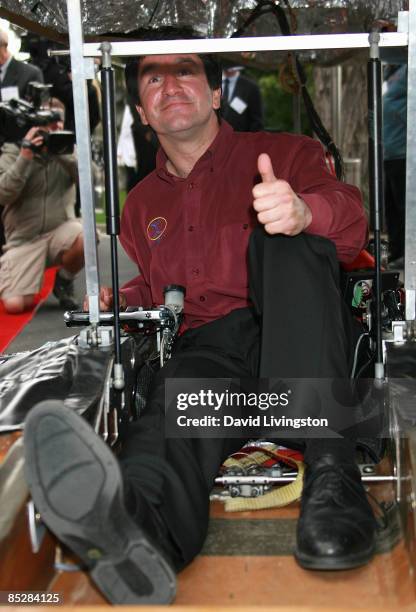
[(213, 18), (124, 19)]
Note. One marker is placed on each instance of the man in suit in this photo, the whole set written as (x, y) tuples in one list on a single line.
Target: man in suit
[(14, 74), (241, 101)]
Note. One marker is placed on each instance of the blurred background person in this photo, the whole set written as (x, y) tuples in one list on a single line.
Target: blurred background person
[(394, 143), (241, 103), (126, 152), (37, 195), (145, 140), (14, 75), (56, 71)]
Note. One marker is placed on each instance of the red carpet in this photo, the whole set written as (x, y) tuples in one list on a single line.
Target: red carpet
[(11, 325)]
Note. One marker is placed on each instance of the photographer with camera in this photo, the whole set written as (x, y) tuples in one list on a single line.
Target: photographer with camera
[(37, 193)]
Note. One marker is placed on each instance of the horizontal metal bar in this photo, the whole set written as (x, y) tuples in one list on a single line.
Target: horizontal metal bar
[(254, 43), (264, 480)]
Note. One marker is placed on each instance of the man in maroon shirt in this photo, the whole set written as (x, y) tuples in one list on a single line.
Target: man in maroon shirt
[(221, 208)]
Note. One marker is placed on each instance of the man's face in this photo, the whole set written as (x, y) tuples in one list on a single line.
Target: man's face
[(4, 54), (174, 93), (55, 126)]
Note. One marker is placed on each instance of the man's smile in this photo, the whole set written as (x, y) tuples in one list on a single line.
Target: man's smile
[(175, 103)]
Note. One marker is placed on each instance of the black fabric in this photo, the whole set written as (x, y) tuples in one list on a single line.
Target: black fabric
[(296, 328), (395, 204)]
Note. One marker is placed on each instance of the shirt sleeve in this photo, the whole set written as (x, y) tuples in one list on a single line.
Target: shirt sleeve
[(136, 291), (70, 164), (14, 174), (337, 209)]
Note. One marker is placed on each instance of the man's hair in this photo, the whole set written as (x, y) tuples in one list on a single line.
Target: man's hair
[(4, 39), (57, 105), (211, 63)]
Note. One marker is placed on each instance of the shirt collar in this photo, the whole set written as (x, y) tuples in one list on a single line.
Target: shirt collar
[(232, 79), (213, 157)]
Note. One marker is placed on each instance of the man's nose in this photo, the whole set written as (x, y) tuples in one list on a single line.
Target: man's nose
[(171, 84)]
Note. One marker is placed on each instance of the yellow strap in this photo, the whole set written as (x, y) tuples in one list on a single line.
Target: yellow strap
[(276, 498)]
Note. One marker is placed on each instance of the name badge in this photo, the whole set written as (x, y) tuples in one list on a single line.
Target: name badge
[(7, 93), (238, 105)]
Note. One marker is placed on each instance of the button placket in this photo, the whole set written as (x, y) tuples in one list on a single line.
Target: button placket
[(195, 250)]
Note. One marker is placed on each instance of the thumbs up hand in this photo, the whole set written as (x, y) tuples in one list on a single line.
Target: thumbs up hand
[(278, 207)]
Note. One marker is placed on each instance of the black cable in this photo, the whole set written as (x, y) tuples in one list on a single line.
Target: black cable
[(316, 123), (317, 127), (258, 11), (35, 5), (363, 367)]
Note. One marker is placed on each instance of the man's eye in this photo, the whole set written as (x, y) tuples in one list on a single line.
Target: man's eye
[(154, 79), (184, 71)]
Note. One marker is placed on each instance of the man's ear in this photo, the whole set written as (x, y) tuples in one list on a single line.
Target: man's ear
[(142, 114), (216, 98)]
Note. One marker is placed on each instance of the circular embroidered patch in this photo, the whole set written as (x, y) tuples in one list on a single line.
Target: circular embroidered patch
[(156, 228)]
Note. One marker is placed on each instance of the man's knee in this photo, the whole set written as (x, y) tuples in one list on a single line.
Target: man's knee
[(73, 258), (18, 303), (76, 248)]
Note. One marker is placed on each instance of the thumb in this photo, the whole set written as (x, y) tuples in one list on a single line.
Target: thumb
[(264, 164)]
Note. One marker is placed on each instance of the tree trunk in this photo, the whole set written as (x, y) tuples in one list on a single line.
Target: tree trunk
[(353, 142)]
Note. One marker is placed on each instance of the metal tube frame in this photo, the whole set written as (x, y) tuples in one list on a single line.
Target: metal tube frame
[(112, 197), (81, 70), (275, 480), (80, 51), (375, 166), (336, 104), (410, 235)]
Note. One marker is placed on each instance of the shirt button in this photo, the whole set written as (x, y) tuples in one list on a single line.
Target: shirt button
[(195, 271), (191, 228), (245, 226), (202, 298), (191, 186)]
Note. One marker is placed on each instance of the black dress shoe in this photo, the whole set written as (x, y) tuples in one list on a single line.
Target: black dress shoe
[(336, 527), (63, 290), (76, 485)]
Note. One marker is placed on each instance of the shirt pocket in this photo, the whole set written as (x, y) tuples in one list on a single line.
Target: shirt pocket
[(231, 255)]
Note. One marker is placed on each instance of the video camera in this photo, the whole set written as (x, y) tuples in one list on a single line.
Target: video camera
[(18, 116)]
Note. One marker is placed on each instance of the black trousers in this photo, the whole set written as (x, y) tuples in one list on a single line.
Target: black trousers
[(297, 327)]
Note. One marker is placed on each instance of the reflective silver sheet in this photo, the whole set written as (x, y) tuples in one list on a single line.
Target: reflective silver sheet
[(213, 18)]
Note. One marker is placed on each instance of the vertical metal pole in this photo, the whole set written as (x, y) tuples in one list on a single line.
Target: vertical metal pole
[(410, 233), (375, 151), (83, 139), (112, 196), (336, 100)]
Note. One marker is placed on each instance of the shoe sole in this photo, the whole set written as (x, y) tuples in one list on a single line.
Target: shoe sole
[(330, 564), (76, 485)]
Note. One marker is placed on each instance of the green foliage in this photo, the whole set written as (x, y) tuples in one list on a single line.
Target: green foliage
[(278, 103)]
